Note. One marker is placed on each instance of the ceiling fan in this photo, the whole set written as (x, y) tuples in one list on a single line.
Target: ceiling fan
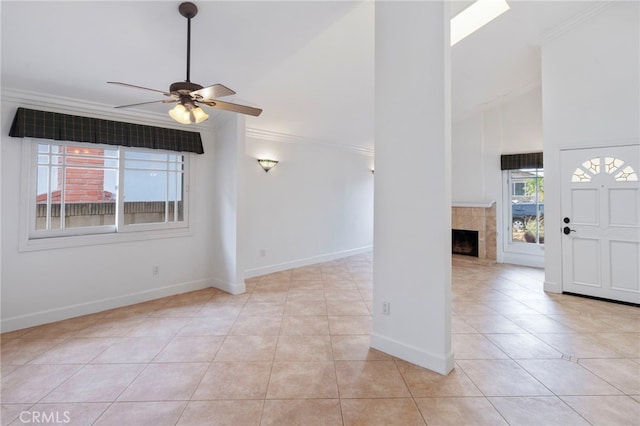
[(191, 95)]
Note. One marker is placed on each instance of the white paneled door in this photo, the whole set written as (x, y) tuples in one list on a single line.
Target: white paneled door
[(601, 222)]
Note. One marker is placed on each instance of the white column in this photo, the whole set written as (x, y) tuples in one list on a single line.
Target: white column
[(228, 210), (412, 205)]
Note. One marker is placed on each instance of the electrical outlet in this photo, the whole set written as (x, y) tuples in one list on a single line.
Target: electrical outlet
[(155, 270), (263, 252), (386, 308)]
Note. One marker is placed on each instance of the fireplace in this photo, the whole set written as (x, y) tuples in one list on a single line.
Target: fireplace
[(464, 242), (479, 217)]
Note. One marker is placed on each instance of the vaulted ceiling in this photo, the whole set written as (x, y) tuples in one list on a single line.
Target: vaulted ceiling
[(309, 65)]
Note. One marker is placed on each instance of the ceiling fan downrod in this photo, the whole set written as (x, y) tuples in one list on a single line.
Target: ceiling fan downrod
[(188, 10)]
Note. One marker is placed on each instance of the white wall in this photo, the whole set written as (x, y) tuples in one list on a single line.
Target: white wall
[(47, 285), (591, 98), (509, 127), (315, 205)]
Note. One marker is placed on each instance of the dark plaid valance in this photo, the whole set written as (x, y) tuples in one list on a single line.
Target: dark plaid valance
[(531, 160), (63, 127)]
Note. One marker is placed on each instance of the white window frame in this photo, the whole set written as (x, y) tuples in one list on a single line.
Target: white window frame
[(529, 254), (32, 239)]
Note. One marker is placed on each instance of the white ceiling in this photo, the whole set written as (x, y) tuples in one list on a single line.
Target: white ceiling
[(309, 65)]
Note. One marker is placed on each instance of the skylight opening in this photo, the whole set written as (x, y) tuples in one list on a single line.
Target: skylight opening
[(475, 17)]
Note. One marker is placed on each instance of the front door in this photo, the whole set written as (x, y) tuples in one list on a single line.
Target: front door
[(601, 222)]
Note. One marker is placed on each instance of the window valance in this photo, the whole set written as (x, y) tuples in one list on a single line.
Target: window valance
[(64, 127), (531, 160)]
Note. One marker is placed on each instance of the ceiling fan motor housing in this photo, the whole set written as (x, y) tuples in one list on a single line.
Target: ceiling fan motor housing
[(184, 87)]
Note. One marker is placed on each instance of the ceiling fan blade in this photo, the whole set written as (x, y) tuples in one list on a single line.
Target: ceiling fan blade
[(212, 92), (164, 101), (228, 106), (138, 87)]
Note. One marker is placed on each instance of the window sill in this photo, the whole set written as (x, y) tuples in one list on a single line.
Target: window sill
[(53, 243)]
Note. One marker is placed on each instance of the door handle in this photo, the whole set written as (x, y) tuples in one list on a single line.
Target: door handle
[(567, 230)]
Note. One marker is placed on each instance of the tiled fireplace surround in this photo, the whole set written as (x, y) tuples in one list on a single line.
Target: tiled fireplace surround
[(479, 217)]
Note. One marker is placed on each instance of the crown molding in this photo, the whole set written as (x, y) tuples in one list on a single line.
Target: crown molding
[(288, 138), (574, 21)]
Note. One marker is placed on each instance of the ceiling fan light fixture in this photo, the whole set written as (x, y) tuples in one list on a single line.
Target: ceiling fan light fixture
[(180, 114), (199, 115), (187, 113)]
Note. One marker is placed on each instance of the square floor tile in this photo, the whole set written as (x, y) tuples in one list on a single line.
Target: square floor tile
[(30, 383), (356, 324), (606, 410), (96, 383), (475, 411), (305, 325), (523, 346), (69, 413), (371, 412), (356, 348), (234, 380), (624, 374), (564, 377), (165, 382), (475, 346), (305, 307), (502, 378), (257, 325), (370, 379), (247, 348), (350, 307), (157, 413), (538, 410), (222, 413), (208, 326), (132, 350), (307, 412), (190, 349), (299, 380), (74, 351), (304, 348), (426, 383)]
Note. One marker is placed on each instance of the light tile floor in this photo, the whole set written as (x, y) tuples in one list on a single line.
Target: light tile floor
[(294, 350)]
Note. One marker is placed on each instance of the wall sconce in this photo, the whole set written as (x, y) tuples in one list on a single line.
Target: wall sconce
[(267, 164)]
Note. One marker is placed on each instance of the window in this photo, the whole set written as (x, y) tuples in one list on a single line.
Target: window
[(526, 214), (610, 165), (83, 189)]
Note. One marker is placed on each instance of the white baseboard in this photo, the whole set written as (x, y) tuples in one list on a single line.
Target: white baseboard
[(52, 315), (439, 364), (231, 288), (298, 263), (534, 261)]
